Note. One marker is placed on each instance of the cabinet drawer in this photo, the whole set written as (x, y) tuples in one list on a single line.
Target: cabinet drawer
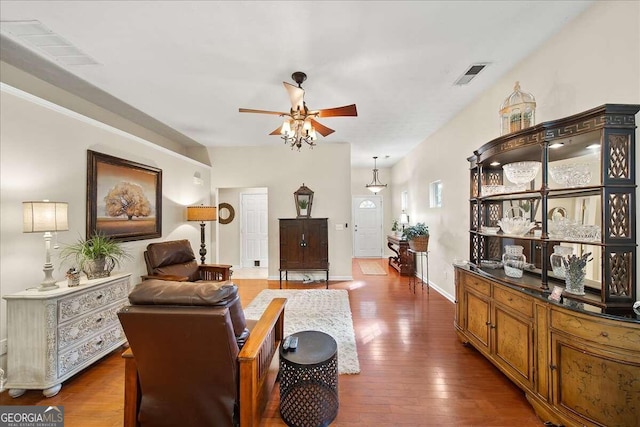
[(76, 357), (519, 303), (479, 285), (82, 327), (77, 305), (596, 330)]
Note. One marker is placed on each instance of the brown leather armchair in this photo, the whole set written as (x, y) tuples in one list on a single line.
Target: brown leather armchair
[(185, 367), (174, 260)]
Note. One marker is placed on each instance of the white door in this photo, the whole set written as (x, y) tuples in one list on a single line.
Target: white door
[(367, 226), (254, 232)]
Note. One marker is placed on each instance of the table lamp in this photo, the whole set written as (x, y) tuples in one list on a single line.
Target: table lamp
[(202, 213), (45, 217)]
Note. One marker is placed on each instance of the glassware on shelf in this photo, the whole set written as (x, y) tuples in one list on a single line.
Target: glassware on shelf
[(514, 261), (584, 232), (489, 230), (489, 190), (557, 223), (521, 172), (571, 175), (516, 225), (559, 252)]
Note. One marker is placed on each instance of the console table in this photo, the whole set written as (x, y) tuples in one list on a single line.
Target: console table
[(404, 261), (53, 335)]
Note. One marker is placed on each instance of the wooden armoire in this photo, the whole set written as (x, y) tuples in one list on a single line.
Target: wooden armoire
[(304, 246)]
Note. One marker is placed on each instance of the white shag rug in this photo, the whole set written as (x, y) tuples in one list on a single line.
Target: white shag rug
[(325, 310)]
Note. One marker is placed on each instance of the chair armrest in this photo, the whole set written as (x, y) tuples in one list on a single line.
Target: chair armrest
[(167, 277), (254, 360), (132, 392), (214, 272)]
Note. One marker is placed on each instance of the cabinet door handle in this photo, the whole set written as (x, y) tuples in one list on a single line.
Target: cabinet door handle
[(487, 323), (492, 326), (553, 367)]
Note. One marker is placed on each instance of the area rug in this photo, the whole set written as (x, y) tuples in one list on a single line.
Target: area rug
[(322, 310), (371, 268)]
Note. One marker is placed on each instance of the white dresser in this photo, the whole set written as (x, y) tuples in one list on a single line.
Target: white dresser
[(53, 335)]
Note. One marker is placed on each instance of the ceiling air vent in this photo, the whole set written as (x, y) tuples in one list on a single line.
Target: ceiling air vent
[(473, 71)]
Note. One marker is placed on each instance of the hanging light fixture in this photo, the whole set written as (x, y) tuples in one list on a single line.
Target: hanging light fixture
[(298, 130), (375, 186)]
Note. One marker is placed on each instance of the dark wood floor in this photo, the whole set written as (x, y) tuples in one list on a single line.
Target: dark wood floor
[(414, 371)]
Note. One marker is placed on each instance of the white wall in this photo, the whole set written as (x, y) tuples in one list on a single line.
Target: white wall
[(325, 170), (43, 149), (592, 61)]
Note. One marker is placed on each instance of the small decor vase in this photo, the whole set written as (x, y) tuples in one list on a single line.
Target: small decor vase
[(574, 280), (514, 260), (559, 252), (575, 272)]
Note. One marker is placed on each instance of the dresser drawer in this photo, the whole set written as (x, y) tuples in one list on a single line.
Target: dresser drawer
[(85, 302), (79, 328), (597, 330), (479, 285), (518, 302), (98, 345)]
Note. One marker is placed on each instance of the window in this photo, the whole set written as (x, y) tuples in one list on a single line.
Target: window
[(436, 194), (367, 204)]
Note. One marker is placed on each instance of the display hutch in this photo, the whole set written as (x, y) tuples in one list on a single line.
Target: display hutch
[(577, 359)]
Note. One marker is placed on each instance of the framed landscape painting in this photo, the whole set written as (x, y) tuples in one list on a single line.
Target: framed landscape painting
[(124, 198)]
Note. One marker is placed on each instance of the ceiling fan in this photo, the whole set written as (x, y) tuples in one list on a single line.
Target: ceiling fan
[(300, 124)]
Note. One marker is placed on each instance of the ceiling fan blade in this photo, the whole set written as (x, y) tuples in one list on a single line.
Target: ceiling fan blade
[(275, 113), (347, 110), (320, 128), (296, 94), (278, 131)]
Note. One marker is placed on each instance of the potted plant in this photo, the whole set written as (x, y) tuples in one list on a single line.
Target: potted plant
[(303, 204), (395, 227), (95, 256), (418, 237)]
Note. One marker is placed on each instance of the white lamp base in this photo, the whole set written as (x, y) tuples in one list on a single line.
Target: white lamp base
[(49, 282)]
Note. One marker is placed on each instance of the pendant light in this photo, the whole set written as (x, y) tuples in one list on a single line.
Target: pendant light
[(375, 186)]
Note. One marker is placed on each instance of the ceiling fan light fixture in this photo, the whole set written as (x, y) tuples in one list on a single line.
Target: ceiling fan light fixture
[(286, 128), (375, 186), (301, 126)]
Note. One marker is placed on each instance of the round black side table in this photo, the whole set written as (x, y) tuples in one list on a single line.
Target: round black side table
[(309, 381)]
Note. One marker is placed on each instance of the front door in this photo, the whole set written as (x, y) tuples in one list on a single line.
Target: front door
[(367, 226), (254, 233)]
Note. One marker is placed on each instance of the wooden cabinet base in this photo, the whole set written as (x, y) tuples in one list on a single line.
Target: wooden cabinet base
[(576, 368)]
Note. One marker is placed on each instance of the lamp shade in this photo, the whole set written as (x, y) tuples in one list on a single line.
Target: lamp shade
[(202, 213), (44, 216), (404, 218)]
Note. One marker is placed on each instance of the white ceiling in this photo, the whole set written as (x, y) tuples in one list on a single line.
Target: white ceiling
[(192, 64)]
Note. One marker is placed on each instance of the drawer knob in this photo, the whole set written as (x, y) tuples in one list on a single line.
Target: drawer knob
[(99, 320), (604, 334), (99, 296), (553, 367)]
